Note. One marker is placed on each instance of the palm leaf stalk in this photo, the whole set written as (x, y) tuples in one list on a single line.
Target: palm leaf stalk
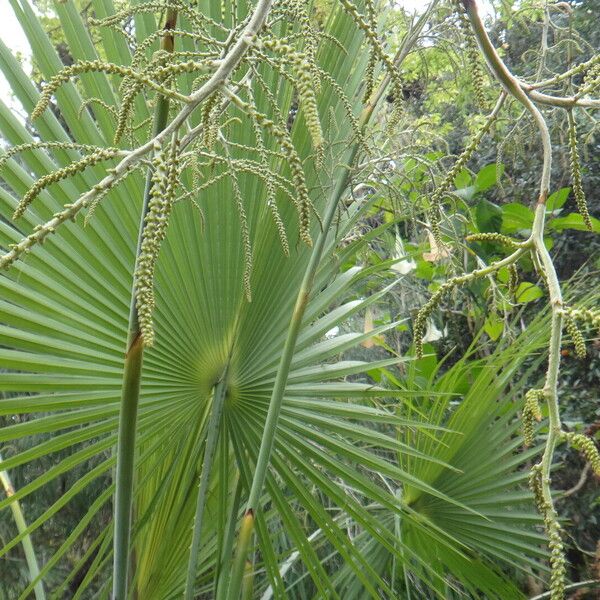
[(219, 393), (342, 178), (26, 542), (132, 375), (134, 355)]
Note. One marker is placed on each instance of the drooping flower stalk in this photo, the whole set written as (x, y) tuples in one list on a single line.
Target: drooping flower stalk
[(576, 173)]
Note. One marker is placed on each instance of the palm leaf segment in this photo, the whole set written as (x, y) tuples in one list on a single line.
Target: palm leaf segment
[(64, 312), (482, 441)]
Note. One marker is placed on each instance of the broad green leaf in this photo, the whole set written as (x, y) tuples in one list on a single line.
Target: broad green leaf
[(527, 292), (557, 199), (466, 193), (573, 221), (494, 326), (463, 179), (516, 217), (488, 176), (488, 217)]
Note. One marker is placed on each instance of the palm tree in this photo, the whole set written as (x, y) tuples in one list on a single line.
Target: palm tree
[(336, 453)]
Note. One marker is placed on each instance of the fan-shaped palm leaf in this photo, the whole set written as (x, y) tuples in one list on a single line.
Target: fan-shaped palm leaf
[(484, 442), (64, 315)]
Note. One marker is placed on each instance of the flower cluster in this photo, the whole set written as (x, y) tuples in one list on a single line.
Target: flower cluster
[(576, 173), (99, 66), (420, 324), (496, 238), (164, 182), (586, 316), (270, 188), (303, 203), (473, 59), (99, 155), (370, 70), (576, 335), (513, 280), (239, 201), (553, 531), (45, 146), (591, 81), (586, 446), (531, 412), (305, 80), (366, 25)]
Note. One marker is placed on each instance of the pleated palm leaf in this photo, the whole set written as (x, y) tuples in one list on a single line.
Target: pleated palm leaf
[(495, 526), (64, 322)]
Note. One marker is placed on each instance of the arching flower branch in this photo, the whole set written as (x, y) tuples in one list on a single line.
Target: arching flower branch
[(561, 315)]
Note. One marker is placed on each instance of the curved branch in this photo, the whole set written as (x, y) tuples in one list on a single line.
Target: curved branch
[(541, 481), (558, 101), (580, 483), (512, 85)]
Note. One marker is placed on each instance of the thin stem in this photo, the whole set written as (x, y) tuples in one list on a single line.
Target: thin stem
[(514, 88), (590, 583), (580, 68), (19, 518), (551, 381), (132, 376), (560, 101), (223, 575), (209, 452)]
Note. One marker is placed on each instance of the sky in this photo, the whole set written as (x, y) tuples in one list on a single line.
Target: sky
[(12, 35)]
